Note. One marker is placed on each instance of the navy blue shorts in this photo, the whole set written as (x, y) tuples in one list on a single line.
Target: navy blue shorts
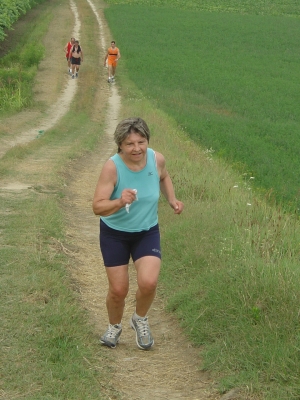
[(118, 246)]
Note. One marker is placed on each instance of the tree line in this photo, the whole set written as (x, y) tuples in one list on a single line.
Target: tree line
[(11, 11)]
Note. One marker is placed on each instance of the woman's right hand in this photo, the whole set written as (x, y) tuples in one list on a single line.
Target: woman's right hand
[(128, 196)]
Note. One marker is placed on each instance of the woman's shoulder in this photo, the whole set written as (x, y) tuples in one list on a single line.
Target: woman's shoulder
[(159, 159), (110, 165), (159, 156), (109, 170)]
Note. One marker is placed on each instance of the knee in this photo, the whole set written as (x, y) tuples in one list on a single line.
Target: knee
[(118, 293), (148, 286)]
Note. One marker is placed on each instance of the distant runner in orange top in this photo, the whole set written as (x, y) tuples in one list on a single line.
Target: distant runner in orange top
[(112, 57), (67, 50)]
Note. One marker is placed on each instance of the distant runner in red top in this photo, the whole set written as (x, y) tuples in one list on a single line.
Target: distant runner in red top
[(112, 57), (67, 50)]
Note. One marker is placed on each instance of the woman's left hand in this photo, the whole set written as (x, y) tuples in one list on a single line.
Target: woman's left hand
[(177, 207)]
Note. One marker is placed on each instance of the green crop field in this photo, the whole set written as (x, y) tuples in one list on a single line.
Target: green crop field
[(270, 7), (230, 79)]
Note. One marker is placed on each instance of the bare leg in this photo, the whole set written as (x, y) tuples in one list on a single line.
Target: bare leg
[(118, 280), (110, 72), (147, 277)]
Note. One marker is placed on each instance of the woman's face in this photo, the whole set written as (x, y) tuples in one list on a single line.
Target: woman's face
[(134, 147)]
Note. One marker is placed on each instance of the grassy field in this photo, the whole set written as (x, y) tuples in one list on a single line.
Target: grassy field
[(269, 7), (230, 271), (230, 80), (230, 266)]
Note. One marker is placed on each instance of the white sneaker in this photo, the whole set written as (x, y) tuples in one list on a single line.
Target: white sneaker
[(144, 339), (112, 336)]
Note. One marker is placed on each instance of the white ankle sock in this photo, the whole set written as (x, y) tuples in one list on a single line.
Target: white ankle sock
[(135, 316), (119, 326)]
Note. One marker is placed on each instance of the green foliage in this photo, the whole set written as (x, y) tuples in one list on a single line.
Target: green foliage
[(32, 55), (10, 12), (268, 7), (18, 68), (16, 86), (239, 84), (15, 89)]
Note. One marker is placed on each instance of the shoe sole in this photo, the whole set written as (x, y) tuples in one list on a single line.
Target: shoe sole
[(109, 344), (136, 338)]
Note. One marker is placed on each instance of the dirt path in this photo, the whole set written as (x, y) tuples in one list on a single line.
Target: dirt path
[(170, 369)]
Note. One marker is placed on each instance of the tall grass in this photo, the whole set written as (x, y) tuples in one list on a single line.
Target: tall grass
[(18, 68), (231, 82), (15, 89), (235, 280)]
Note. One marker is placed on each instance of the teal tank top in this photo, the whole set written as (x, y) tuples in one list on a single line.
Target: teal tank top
[(142, 213)]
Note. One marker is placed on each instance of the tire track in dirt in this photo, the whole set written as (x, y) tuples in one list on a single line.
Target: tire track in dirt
[(170, 369)]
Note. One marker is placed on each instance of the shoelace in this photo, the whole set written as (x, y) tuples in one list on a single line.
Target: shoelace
[(112, 331), (143, 327)]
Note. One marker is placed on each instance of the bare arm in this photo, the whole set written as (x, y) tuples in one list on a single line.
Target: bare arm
[(102, 205), (119, 55), (166, 185), (105, 58)]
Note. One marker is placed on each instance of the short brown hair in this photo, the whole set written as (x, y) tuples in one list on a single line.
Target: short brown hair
[(129, 125)]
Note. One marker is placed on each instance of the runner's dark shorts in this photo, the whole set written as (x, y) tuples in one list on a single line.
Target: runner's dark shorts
[(118, 246), (75, 61)]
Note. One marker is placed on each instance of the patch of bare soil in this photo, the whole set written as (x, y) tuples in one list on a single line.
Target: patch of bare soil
[(170, 369)]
